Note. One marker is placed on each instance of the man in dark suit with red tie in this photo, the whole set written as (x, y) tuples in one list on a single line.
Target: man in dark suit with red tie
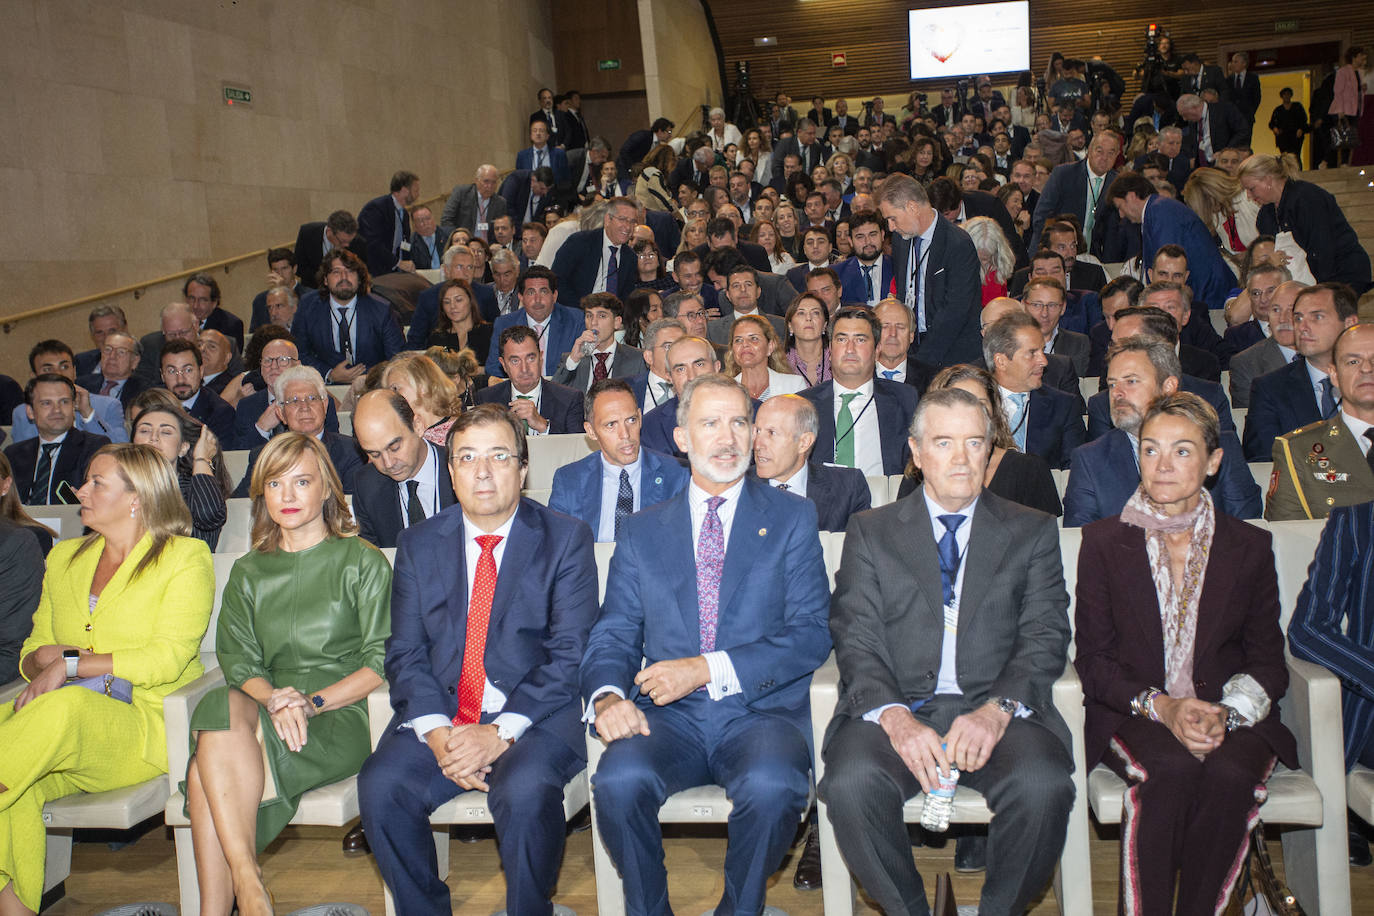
[(491, 604)]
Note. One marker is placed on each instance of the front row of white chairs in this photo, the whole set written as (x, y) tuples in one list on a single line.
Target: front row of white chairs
[(1309, 802)]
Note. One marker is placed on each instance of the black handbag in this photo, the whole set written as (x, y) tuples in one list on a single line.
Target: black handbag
[(1344, 134)]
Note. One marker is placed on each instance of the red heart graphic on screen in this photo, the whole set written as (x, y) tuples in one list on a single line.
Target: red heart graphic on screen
[(942, 40)]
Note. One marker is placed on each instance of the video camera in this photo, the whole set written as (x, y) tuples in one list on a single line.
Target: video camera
[(1152, 64)]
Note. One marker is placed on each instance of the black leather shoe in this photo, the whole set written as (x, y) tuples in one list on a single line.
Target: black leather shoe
[(808, 876), (970, 854), (355, 842), (582, 821), (1359, 850), (474, 833)]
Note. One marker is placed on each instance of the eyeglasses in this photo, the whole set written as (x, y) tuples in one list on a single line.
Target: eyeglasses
[(174, 372), (279, 361), (112, 351), (306, 401), (648, 256)]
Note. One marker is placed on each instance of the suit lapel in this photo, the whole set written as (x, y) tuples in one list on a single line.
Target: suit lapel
[(526, 540), (446, 496), (748, 534), (1037, 411), (1121, 471), (825, 413), (453, 568), (1139, 581), (1214, 603), (677, 539), (916, 520), (118, 582), (889, 422), (986, 550), (591, 492)]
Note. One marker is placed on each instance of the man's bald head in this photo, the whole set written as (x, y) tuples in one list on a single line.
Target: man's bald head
[(998, 308)]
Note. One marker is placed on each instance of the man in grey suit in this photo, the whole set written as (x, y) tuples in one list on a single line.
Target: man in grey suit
[(1277, 350), (741, 293), (950, 575), (596, 354), (1044, 299), (474, 206)]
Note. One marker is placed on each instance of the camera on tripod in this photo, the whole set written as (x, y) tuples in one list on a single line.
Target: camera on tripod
[(1152, 64)]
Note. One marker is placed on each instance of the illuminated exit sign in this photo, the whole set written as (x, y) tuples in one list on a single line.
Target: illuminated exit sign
[(237, 95)]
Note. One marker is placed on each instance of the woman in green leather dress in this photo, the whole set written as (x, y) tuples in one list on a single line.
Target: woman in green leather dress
[(300, 640)]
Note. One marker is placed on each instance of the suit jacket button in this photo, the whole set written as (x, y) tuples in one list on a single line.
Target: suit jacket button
[(452, 690), (1200, 684), (930, 675), (89, 628)]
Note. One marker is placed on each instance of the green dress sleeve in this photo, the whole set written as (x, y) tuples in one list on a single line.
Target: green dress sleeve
[(237, 645), (373, 602)]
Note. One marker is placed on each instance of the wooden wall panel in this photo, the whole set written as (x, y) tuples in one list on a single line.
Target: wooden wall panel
[(588, 31), (872, 33)]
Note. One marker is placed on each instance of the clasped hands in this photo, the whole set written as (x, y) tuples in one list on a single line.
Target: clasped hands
[(465, 753), (1198, 725), (290, 710), (967, 746), (662, 682)]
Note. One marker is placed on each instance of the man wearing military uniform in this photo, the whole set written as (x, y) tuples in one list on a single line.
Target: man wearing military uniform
[(1328, 463)]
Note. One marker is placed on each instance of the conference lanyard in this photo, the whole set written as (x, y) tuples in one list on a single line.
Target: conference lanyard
[(853, 425)]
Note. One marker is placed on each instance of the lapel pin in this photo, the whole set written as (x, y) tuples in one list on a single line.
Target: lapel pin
[(1333, 432), (763, 532), (1318, 448), (658, 480)]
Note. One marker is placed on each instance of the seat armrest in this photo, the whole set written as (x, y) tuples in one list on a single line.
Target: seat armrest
[(1068, 700), (825, 696), (177, 707), (9, 692), (1312, 711), (379, 712)]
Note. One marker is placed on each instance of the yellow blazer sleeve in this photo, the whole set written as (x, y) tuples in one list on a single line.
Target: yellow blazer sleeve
[(177, 594)]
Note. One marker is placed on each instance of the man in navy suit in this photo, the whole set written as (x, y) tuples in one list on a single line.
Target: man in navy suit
[(1260, 286), (1080, 188), (862, 420), (1043, 421), (640, 142), (607, 487), (687, 358), (181, 365), (1331, 626), (722, 591), (555, 326), (1210, 127), (341, 330), (1104, 473), (1155, 323), (114, 375), (49, 466), (201, 293), (1168, 222), (315, 240), (428, 240), (384, 225), (785, 428), (406, 479), (1301, 392), (459, 263), (958, 206), (300, 406), (483, 662), (936, 270), (545, 407), (865, 276), (255, 416), (599, 260), (539, 154), (1242, 86), (528, 194)]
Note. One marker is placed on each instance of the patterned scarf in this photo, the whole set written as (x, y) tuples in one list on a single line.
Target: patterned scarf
[(1177, 607)]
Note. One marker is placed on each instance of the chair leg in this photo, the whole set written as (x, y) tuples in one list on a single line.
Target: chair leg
[(1073, 886), (186, 871), (58, 864), (1317, 869), (837, 886), (441, 850)]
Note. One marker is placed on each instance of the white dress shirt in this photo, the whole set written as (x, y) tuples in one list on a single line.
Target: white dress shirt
[(917, 271), (868, 443), (493, 700), (606, 245), (654, 394), (1315, 377), (610, 493), (535, 394), (797, 482), (898, 372), (1357, 429), (427, 476)]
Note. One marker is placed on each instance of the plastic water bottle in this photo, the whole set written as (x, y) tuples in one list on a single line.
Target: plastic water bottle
[(939, 804)]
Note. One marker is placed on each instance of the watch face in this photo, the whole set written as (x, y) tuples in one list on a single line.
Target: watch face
[(318, 701)]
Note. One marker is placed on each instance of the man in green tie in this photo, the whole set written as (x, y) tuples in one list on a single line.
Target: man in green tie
[(863, 420)]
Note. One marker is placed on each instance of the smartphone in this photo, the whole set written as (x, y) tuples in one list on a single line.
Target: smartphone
[(65, 493)]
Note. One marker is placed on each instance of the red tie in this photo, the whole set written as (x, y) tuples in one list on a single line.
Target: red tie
[(599, 371), (1230, 226), (472, 682), (106, 388)]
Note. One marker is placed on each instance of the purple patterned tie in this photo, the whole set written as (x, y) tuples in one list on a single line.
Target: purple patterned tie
[(710, 564)]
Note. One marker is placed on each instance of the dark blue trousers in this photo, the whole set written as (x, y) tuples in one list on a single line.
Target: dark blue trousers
[(400, 786), (762, 762)]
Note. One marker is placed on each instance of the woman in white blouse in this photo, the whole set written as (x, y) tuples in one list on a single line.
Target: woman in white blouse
[(755, 359)]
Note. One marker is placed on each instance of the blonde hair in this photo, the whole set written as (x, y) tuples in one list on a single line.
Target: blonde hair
[(453, 362), (161, 510), (436, 392), (1209, 193), (280, 455), (777, 360), (682, 245), (1280, 168)]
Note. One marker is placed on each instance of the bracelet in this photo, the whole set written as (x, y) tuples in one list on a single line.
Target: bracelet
[(1143, 703), (1150, 696)]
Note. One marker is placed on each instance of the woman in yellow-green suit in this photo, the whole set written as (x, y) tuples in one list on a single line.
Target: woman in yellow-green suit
[(131, 600)]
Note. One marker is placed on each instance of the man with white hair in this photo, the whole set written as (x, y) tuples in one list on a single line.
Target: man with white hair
[(301, 402), (785, 430), (722, 133), (474, 206), (1210, 127), (1171, 148)]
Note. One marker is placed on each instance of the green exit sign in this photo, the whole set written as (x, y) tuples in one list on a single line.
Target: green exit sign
[(609, 64), (234, 95), (1286, 25)]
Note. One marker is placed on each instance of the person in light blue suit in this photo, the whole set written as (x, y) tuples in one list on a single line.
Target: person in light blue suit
[(722, 591), (607, 486), (95, 413), (557, 325)]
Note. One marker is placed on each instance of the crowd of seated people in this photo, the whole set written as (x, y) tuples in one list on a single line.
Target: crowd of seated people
[(747, 322)]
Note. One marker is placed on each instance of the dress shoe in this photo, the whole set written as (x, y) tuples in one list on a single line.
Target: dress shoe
[(1359, 850), (808, 876), (472, 833), (581, 822), (355, 842), (970, 854)]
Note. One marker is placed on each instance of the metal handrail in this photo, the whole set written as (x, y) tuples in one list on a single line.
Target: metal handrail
[(7, 322)]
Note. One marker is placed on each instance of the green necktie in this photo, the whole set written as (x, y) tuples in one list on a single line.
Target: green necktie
[(524, 397), (844, 442)]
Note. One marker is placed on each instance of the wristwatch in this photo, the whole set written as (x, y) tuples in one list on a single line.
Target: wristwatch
[(71, 657), (318, 701), (1235, 720), (1006, 704)]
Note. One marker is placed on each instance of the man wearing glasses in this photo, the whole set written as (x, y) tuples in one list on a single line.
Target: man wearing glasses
[(599, 261), (182, 370), (114, 377), (301, 400), (256, 418)]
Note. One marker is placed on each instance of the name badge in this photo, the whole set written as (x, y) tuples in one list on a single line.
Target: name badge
[(405, 246), (952, 618), (482, 227)]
